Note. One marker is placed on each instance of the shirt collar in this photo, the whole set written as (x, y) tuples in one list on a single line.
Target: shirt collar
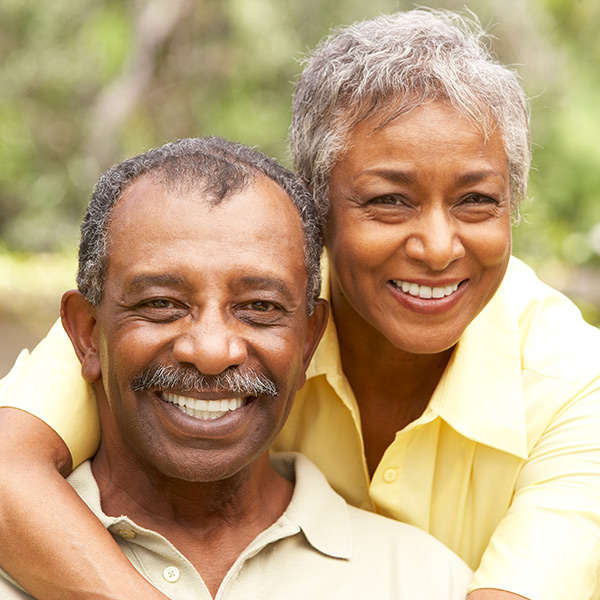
[(327, 529), (480, 393), (84, 483), (327, 360)]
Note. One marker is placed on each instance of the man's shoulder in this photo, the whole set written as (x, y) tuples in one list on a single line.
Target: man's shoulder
[(383, 538), (371, 547)]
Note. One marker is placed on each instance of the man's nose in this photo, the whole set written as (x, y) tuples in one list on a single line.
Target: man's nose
[(211, 343), (435, 240)]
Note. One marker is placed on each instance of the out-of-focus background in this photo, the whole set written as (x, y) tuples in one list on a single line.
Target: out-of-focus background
[(85, 84)]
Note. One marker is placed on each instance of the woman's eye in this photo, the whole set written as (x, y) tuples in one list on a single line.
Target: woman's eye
[(388, 199), (159, 303), (479, 199)]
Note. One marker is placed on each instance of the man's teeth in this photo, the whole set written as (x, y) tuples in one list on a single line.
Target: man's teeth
[(204, 409), (424, 291)]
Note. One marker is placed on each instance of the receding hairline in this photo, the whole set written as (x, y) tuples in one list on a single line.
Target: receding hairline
[(256, 182)]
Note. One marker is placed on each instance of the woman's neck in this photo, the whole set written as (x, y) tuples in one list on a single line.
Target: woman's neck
[(392, 387)]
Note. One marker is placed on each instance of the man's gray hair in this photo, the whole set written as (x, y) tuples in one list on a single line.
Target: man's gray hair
[(216, 167), (385, 67)]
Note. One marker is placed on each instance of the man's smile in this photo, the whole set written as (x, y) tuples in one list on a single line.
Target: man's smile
[(207, 410)]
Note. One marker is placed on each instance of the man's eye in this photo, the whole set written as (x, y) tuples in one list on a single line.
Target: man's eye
[(262, 306), (160, 310), (260, 312)]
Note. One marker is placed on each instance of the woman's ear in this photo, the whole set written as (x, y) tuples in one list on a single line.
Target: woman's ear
[(316, 327), (79, 321)]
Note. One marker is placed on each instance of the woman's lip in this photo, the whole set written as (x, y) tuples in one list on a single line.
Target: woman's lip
[(447, 285), (424, 303)]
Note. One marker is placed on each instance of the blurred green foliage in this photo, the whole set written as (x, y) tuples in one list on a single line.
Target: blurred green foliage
[(85, 84)]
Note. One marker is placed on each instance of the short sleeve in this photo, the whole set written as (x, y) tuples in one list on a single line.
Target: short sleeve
[(547, 547), (48, 384)]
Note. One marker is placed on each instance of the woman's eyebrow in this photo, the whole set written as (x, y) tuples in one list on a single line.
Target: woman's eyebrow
[(395, 175), (476, 176)]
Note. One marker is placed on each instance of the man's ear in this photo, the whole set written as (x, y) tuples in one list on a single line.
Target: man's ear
[(316, 327), (79, 321)]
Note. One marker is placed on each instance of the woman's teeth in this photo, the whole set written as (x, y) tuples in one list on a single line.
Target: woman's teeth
[(204, 409), (424, 291)]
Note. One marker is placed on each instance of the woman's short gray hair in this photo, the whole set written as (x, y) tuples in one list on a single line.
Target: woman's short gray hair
[(387, 66)]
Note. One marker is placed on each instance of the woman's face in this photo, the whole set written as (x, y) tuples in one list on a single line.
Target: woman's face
[(419, 229)]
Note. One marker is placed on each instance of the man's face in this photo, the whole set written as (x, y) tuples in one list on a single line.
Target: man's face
[(204, 289)]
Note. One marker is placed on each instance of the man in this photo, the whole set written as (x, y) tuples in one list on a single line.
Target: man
[(196, 317)]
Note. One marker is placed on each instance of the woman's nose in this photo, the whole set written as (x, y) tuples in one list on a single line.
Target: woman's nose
[(435, 241)]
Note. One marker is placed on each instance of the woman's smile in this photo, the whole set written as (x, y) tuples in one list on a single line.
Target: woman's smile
[(428, 300), (425, 291)]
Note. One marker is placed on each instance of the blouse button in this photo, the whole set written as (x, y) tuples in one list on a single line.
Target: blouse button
[(390, 475)]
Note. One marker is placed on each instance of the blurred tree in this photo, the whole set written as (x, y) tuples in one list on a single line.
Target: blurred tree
[(85, 84)]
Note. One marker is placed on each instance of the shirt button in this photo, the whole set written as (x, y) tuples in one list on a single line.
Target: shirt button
[(127, 534), (171, 574), (390, 475)]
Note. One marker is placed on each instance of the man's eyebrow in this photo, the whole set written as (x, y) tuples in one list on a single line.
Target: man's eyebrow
[(264, 283), (155, 279)]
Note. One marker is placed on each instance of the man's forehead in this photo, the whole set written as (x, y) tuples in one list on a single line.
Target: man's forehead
[(153, 189), (256, 228)]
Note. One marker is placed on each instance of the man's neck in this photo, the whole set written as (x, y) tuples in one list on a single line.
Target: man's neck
[(210, 523)]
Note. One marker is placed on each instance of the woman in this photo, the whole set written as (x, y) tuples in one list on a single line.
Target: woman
[(452, 389)]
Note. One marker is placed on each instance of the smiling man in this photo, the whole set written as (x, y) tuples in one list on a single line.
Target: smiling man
[(196, 317)]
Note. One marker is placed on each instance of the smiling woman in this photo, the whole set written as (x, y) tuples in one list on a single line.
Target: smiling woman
[(419, 205), (452, 389)]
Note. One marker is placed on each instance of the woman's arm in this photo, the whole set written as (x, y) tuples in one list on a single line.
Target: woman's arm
[(548, 544), (50, 542)]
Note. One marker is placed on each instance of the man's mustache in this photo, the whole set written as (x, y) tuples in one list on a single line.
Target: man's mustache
[(243, 382)]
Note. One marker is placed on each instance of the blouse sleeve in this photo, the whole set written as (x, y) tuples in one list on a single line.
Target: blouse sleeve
[(547, 547), (48, 384)]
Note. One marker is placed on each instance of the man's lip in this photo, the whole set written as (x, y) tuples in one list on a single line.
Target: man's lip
[(204, 408), (202, 395), (200, 424)]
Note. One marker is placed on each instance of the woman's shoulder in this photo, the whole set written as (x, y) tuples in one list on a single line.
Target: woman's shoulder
[(554, 337)]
